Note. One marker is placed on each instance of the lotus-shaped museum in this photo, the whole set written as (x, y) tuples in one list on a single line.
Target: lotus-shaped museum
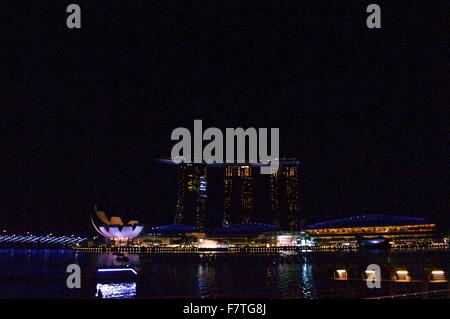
[(115, 229)]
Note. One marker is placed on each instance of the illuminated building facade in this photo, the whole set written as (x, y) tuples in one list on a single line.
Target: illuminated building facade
[(212, 196), (367, 229), (192, 195), (253, 197), (284, 195), (238, 195), (115, 230), (237, 238)]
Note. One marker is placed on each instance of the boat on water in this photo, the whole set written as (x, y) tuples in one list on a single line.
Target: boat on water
[(286, 253), (373, 242)]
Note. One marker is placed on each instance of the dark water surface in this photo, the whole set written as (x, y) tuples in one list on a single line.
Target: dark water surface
[(42, 274)]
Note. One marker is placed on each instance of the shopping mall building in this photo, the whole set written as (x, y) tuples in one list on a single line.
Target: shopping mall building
[(375, 230), (379, 231)]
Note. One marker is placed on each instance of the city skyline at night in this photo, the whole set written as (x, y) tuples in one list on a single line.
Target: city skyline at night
[(223, 158)]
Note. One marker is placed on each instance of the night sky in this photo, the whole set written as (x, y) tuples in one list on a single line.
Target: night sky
[(85, 113)]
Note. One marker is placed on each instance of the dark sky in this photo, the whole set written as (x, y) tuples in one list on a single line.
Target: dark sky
[(84, 113)]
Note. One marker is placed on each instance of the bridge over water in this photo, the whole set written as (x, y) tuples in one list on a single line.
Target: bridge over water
[(39, 241)]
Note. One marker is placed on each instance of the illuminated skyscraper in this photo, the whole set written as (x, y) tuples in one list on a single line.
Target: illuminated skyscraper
[(284, 195), (252, 197), (192, 195), (238, 195), (219, 195)]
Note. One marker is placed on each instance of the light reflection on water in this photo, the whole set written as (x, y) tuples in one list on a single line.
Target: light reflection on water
[(206, 279), (28, 273), (116, 290), (306, 281)]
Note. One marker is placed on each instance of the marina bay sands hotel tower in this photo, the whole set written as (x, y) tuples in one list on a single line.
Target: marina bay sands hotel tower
[(211, 196)]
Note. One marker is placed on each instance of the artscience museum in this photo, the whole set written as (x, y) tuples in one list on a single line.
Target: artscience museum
[(115, 230)]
